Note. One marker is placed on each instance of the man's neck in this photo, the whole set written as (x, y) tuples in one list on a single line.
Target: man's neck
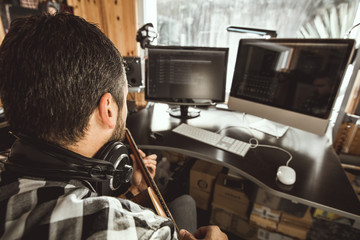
[(95, 137), (84, 148)]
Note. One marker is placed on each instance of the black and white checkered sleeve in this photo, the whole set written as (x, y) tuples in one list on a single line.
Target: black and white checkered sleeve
[(54, 210)]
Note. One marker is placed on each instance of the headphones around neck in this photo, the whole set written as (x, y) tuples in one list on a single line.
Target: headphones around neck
[(108, 170)]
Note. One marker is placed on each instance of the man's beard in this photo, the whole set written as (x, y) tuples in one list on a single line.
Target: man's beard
[(119, 131)]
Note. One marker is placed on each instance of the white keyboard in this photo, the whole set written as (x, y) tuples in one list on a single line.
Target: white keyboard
[(214, 139)]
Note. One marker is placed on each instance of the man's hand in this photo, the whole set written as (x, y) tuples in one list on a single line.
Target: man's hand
[(207, 233), (137, 178)]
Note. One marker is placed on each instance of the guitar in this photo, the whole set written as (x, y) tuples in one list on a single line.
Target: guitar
[(152, 192)]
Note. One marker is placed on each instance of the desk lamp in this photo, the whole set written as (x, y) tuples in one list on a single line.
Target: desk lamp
[(261, 32)]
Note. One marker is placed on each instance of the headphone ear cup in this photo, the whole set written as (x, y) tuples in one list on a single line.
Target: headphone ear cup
[(117, 154), (145, 42)]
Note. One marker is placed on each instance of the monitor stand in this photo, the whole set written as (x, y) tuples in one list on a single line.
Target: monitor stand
[(275, 129), (184, 112)]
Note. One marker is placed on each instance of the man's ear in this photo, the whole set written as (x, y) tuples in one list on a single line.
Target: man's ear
[(108, 110)]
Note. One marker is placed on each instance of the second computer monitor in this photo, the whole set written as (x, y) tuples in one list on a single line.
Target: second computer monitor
[(290, 81), (186, 76)]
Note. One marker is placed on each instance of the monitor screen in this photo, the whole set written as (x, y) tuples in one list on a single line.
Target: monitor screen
[(186, 75), (291, 81)]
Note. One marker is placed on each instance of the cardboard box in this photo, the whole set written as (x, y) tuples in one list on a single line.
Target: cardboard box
[(202, 180), (305, 221), (229, 221), (293, 226), (221, 217), (267, 235), (325, 215), (266, 213), (272, 201), (202, 199), (262, 222), (267, 199), (293, 230), (229, 193), (265, 217)]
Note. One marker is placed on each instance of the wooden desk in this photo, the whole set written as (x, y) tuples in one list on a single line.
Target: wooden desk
[(321, 181)]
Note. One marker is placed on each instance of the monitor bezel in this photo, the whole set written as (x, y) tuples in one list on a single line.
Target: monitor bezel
[(187, 101)]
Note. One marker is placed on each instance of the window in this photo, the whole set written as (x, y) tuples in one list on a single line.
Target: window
[(204, 22)]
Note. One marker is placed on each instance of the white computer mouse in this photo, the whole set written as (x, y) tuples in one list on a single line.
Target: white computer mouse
[(286, 175)]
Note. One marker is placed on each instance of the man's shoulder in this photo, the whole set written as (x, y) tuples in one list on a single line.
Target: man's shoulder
[(73, 208)]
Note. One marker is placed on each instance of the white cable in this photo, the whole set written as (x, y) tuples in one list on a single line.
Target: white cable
[(254, 143)]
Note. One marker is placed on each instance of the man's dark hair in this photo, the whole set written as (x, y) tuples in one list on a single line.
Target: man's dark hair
[(53, 72)]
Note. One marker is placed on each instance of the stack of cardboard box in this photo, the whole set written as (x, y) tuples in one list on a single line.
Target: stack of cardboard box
[(265, 217), (230, 206), (202, 178), (297, 227), (237, 208), (278, 215), (268, 235)]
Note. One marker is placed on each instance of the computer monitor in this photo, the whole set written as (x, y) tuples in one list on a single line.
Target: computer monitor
[(185, 77), (290, 81)]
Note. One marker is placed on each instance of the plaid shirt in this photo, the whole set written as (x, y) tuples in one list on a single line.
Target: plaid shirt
[(38, 209)]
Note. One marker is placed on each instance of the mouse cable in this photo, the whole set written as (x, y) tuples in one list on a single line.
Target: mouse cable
[(254, 143)]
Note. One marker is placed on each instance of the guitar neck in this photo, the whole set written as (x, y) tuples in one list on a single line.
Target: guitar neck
[(158, 199)]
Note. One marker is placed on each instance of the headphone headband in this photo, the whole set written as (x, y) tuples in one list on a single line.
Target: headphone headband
[(36, 158), (42, 159)]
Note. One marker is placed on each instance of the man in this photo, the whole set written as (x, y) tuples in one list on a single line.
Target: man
[(63, 89)]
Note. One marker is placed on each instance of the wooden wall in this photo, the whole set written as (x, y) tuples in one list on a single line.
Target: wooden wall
[(116, 18), (2, 31)]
